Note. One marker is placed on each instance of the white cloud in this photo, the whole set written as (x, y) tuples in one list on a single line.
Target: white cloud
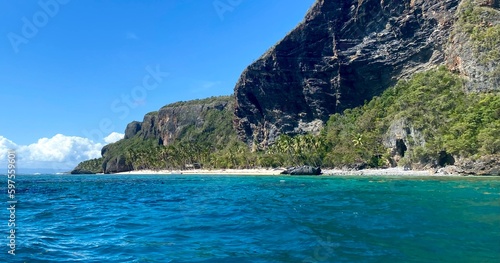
[(58, 152), (5, 146), (61, 148), (114, 137)]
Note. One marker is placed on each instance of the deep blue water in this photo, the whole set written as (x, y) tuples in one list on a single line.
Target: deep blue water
[(157, 218)]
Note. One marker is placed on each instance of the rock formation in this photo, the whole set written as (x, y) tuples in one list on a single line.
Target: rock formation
[(116, 164), (346, 52), (172, 121), (303, 170), (474, 43), (192, 120), (486, 165)]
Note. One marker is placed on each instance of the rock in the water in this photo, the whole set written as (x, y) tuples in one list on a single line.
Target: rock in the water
[(303, 170)]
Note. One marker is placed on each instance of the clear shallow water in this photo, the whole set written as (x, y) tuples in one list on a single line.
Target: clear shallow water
[(109, 218)]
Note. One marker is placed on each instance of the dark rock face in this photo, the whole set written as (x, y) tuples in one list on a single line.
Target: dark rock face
[(132, 129), (116, 165), (104, 150), (303, 170), (343, 53)]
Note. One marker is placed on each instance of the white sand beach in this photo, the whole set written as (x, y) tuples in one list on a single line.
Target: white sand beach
[(373, 172), (326, 172), (213, 172)]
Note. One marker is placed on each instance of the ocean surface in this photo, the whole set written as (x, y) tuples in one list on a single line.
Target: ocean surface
[(187, 218)]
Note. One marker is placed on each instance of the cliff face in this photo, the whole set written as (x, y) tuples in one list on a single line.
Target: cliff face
[(343, 53), (473, 49), (198, 120), (176, 120)]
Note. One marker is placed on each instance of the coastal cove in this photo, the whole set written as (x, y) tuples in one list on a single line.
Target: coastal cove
[(245, 218)]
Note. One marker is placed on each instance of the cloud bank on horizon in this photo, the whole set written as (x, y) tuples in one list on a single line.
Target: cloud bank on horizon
[(59, 153)]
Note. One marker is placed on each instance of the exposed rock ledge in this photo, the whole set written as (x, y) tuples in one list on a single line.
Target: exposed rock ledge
[(486, 165)]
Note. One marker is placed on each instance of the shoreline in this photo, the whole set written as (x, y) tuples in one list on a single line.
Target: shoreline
[(276, 172)]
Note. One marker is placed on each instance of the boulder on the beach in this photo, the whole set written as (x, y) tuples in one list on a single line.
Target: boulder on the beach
[(303, 170)]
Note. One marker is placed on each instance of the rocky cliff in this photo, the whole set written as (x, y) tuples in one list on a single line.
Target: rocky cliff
[(473, 48), (346, 52), (176, 121), (191, 121)]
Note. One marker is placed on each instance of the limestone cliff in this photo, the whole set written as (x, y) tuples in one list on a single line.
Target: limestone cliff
[(346, 52)]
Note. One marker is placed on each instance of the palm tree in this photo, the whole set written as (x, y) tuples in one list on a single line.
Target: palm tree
[(358, 141)]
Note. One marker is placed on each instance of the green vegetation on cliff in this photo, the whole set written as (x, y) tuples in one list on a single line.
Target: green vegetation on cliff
[(433, 105), (92, 166), (217, 128), (438, 122), (480, 25), (211, 142)]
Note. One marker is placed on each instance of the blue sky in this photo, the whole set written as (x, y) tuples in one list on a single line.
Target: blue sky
[(85, 69)]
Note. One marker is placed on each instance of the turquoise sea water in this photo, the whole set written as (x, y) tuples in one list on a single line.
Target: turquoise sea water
[(159, 218)]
